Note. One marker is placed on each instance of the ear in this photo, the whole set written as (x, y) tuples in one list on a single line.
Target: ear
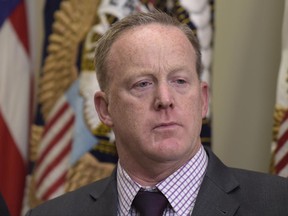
[(101, 105), (205, 98)]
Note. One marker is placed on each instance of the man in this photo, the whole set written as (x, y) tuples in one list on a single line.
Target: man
[(149, 68)]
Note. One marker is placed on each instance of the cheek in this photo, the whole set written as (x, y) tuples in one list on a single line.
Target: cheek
[(127, 113), (193, 110)]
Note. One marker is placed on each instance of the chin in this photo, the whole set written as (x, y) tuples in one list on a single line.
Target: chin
[(173, 150)]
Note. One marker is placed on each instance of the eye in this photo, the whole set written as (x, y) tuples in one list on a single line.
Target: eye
[(181, 81), (142, 84)]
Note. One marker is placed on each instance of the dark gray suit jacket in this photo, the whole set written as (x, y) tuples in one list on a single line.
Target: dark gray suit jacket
[(224, 191), (3, 207)]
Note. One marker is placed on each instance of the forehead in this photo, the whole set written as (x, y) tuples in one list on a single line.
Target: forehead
[(149, 49), (151, 32), (152, 36)]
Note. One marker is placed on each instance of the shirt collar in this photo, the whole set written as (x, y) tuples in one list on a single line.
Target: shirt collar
[(180, 188), (127, 190)]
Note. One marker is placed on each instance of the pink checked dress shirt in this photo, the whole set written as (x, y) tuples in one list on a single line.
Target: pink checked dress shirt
[(180, 188)]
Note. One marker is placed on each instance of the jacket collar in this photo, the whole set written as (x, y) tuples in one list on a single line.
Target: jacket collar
[(216, 193), (104, 196), (214, 198)]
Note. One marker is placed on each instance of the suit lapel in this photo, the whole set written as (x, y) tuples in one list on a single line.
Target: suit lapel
[(214, 198), (216, 193), (104, 198)]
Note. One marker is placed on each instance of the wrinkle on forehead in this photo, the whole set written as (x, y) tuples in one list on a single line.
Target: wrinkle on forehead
[(149, 37), (151, 48)]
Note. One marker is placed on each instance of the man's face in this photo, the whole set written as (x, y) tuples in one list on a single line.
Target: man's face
[(155, 102)]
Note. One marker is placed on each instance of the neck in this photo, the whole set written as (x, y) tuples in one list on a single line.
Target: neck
[(151, 178), (149, 174)]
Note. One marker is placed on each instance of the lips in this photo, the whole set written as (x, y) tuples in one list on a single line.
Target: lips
[(166, 125)]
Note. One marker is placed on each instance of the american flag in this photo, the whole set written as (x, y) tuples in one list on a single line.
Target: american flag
[(15, 102), (54, 152), (56, 126), (280, 130), (281, 151)]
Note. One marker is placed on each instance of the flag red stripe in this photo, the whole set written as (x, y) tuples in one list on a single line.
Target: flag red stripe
[(55, 140), (55, 186), (281, 141), (19, 22), (12, 170), (281, 164), (55, 118), (54, 163)]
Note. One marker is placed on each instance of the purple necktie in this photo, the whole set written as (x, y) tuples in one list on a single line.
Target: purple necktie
[(150, 203)]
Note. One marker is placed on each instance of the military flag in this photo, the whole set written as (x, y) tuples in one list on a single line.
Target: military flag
[(280, 129), (15, 102)]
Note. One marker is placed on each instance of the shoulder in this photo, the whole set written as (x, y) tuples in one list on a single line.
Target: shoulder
[(246, 179), (250, 191), (256, 181), (261, 192), (3, 207), (254, 191), (77, 202)]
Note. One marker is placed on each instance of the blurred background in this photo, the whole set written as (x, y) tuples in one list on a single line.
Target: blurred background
[(245, 51)]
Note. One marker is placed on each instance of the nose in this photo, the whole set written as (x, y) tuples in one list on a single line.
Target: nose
[(163, 98)]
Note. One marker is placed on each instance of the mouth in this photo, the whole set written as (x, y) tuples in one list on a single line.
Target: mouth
[(166, 125)]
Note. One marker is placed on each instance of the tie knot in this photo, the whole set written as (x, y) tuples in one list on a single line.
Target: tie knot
[(150, 203)]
